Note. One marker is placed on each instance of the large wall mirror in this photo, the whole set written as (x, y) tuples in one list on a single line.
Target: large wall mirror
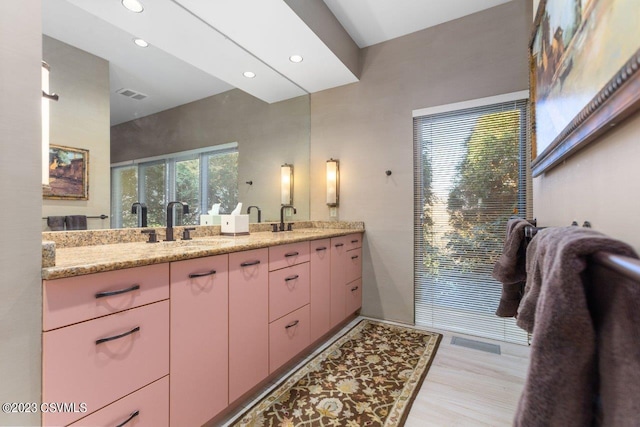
[(132, 107)]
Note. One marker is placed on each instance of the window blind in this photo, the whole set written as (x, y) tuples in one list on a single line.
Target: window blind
[(470, 169)]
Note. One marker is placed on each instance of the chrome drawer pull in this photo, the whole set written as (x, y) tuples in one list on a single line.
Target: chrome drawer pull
[(132, 416), (292, 324), (118, 292), (208, 273), (354, 289), (290, 254), (115, 337), (294, 277), (339, 244), (355, 241), (354, 257), (248, 263)]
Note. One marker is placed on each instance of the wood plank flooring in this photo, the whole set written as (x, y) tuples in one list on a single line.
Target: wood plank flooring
[(464, 387)]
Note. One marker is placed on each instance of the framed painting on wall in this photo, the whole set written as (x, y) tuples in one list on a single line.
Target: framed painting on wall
[(68, 173), (584, 61)]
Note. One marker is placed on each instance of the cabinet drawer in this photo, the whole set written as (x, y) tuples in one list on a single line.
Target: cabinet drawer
[(320, 288), (354, 241), (287, 255), (78, 368), (147, 407), (76, 299), (288, 336), (353, 296), (354, 264), (288, 290)]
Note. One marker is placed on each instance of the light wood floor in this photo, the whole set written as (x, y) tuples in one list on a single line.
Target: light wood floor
[(464, 387)]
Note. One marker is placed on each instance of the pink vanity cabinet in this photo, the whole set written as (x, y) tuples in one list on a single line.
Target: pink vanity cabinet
[(106, 336), (199, 340), (248, 320), (346, 273), (320, 288), (289, 321)]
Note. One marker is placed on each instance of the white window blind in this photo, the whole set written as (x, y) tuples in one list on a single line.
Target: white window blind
[(470, 169)]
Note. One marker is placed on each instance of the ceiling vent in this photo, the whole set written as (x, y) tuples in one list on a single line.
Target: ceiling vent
[(131, 94)]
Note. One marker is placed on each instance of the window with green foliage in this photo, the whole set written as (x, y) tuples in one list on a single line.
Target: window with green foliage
[(199, 178), (470, 179)]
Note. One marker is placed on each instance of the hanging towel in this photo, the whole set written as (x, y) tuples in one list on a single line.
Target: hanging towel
[(55, 223), (510, 268), (572, 340), (76, 222)]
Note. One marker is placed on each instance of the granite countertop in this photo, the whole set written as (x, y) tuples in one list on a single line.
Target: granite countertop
[(76, 261)]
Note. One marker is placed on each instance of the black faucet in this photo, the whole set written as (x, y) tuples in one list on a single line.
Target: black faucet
[(259, 212), (282, 208), (142, 218), (185, 210)]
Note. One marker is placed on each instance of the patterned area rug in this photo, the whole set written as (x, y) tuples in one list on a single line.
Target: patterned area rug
[(368, 377)]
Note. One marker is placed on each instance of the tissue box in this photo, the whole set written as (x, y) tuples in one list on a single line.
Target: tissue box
[(209, 219), (234, 225)]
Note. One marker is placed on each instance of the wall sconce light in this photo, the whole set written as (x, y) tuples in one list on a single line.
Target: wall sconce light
[(286, 184), (46, 97), (333, 182)]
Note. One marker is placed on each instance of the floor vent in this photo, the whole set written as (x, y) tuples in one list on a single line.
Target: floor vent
[(476, 345), (131, 94)]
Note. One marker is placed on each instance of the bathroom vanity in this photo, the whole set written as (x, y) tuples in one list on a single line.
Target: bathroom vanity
[(175, 333)]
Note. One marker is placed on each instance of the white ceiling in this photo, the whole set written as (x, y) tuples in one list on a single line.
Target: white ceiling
[(199, 48)]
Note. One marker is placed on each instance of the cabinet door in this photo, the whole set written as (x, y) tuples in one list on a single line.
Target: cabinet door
[(339, 267), (199, 345), (320, 292), (248, 320)]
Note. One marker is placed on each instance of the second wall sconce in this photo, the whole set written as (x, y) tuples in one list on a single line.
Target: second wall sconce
[(286, 184), (333, 182)]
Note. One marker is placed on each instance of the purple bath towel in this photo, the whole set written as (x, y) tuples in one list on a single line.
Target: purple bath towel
[(585, 355), (510, 268)]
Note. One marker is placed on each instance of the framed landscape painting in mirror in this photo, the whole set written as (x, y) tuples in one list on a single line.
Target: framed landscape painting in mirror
[(584, 60), (68, 173)]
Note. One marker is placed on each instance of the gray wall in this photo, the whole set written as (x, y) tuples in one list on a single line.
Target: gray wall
[(80, 119), (368, 127), (21, 190), (268, 135)]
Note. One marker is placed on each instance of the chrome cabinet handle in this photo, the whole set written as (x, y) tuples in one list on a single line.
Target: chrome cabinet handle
[(294, 277), (248, 263), (292, 324), (115, 337), (132, 416), (118, 292), (321, 248), (354, 289), (290, 254), (208, 273)]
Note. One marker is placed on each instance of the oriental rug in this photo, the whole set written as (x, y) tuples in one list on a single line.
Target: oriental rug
[(367, 377)]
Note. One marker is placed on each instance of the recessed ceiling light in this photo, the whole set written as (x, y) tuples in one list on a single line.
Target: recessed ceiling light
[(140, 42), (295, 58), (133, 5), (249, 74)]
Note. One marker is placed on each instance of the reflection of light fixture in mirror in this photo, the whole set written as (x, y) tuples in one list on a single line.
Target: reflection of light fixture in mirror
[(45, 122), (133, 5), (333, 182), (140, 43), (295, 58), (286, 184), (249, 74)]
